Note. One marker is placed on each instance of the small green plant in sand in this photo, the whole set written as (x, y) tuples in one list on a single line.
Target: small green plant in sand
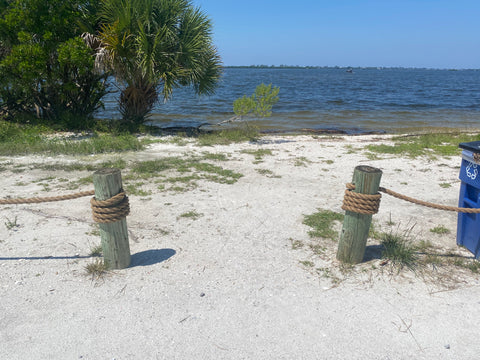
[(268, 173), (193, 214), (322, 223), (96, 250), (302, 161), (440, 229), (11, 224), (215, 156), (258, 153), (96, 269), (307, 263), (445, 185), (317, 249), (328, 273), (180, 189), (350, 149), (296, 244)]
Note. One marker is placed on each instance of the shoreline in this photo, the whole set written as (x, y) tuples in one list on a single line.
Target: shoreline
[(209, 128)]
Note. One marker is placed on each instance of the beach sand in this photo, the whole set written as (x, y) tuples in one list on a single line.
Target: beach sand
[(231, 283)]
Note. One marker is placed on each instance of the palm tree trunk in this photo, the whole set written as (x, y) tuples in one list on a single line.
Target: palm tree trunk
[(136, 101)]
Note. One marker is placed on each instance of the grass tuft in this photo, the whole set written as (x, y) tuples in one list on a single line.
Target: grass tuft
[(399, 250), (96, 250), (296, 244), (191, 215), (441, 230), (96, 269), (302, 161), (11, 224), (258, 153), (322, 223)]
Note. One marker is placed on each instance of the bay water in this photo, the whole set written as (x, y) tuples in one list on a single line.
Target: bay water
[(354, 101)]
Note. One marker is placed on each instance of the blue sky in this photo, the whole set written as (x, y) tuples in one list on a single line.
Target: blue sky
[(407, 33)]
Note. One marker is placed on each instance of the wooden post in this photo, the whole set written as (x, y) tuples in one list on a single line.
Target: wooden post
[(353, 239), (116, 250)]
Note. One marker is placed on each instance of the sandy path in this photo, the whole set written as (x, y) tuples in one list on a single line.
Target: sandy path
[(228, 285)]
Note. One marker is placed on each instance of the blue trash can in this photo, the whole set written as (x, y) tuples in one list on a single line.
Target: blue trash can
[(468, 227)]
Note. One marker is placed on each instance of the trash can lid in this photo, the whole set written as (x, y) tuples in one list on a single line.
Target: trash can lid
[(473, 146)]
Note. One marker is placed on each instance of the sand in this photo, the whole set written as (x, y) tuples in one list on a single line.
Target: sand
[(231, 284)]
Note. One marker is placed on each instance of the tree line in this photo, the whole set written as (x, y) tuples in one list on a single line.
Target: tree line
[(56, 57)]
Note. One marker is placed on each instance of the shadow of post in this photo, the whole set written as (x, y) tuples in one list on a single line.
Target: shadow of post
[(143, 258), (151, 257), (373, 252)]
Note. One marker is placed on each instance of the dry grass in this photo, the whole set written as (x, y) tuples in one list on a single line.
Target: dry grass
[(96, 269)]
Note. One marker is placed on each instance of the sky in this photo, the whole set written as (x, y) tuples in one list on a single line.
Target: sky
[(388, 33)]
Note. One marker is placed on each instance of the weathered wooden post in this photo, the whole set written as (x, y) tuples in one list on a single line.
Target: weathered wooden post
[(114, 235), (353, 239)]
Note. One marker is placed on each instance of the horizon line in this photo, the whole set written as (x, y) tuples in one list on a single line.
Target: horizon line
[(345, 67)]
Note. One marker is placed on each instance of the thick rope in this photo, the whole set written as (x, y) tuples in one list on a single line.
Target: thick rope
[(429, 204), (371, 199), (114, 209), (360, 203)]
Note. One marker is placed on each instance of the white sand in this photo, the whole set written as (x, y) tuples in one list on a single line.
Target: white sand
[(228, 285)]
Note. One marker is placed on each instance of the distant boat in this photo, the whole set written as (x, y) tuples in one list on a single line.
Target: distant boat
[(350, 71)]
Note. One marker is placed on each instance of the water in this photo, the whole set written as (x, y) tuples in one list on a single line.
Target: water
[(332, 98)]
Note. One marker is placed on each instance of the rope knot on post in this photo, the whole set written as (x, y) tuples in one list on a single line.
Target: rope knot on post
[(360, 203), (111, 210)]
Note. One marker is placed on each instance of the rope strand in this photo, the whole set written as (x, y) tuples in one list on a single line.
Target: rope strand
[(37, 200), (107, 211), (368, 204)]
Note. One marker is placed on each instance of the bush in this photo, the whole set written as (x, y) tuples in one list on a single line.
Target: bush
[(46, 69)]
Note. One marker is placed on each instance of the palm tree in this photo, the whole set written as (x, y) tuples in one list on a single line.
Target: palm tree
[(153, 46)]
